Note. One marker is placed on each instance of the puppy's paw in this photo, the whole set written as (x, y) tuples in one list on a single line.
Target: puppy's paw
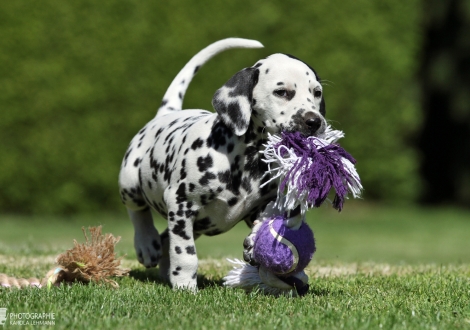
[(249, 242), (190, 287), (184, 279), (148, 248)]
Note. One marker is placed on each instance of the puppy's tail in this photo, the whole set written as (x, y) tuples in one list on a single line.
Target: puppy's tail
[(173, 99)]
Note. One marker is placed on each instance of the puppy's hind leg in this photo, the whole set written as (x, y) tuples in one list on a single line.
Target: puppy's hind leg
[(147, 242)]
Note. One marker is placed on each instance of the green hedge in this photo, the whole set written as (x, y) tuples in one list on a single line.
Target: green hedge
[(79, 78)]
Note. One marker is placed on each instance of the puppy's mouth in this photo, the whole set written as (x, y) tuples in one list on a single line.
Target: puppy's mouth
[(306, 130), (314, 131)]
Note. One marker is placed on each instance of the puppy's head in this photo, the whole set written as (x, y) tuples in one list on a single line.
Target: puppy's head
[(279, 93)]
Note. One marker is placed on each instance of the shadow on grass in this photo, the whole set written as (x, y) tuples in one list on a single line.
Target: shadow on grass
[(152, 275), (147, 275)]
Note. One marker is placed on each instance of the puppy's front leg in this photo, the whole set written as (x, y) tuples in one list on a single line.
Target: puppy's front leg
[(182, 250)]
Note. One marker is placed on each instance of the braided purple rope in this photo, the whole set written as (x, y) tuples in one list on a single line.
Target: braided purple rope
[(318, 169)]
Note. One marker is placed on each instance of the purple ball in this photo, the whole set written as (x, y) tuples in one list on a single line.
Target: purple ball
[(283, 250)]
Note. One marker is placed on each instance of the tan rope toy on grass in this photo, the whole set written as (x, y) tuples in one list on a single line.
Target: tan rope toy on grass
[(92, 261)]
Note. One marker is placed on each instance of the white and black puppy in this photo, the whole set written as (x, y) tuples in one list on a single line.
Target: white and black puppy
[(201, 170)]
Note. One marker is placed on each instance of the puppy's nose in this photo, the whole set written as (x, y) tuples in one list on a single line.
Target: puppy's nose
[(314, 123)]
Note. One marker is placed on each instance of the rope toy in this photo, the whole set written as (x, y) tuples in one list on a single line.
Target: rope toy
[(93, 261), (283, 244)]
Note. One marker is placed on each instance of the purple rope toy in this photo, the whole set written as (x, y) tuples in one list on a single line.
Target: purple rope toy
[(316, 168), (307, 168)]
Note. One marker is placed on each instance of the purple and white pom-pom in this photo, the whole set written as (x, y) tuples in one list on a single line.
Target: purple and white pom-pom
[(308, 167)]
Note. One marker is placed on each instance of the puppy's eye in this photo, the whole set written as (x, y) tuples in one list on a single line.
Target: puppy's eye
[(317, 93), (280, 92)]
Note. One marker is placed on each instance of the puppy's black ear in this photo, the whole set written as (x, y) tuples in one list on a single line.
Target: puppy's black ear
[(322, 106), (234, 99)]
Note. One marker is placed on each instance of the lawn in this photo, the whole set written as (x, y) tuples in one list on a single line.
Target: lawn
[(375, 267)]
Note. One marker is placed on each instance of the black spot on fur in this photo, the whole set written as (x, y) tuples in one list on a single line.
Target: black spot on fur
[(172, 123), (180, 211), (181, 193), (183, 169), (179, 229), (218, 135), (128, 153), (204, 163), (232, 201), (246, 184), (204, 180), (190, 213), (232, 180), (197, 144), (253, 165), (190, 249), (191, 187), (178, 250)]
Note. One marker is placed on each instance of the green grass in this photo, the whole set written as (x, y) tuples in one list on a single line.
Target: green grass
[(376, 267)]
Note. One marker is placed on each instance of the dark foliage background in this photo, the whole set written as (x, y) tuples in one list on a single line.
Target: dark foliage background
[(79, 78), (445, 80)]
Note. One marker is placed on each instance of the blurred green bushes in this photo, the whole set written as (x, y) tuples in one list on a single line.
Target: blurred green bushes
[(79, 78)]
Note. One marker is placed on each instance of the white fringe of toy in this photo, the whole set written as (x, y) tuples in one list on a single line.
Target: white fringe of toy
[(279, 166), (251, 278)]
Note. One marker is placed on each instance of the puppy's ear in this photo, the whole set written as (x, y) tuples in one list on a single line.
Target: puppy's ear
[(322, 106), (234, 99)]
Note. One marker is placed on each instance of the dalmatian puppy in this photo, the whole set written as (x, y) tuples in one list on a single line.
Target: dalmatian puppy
[(201, 170)]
